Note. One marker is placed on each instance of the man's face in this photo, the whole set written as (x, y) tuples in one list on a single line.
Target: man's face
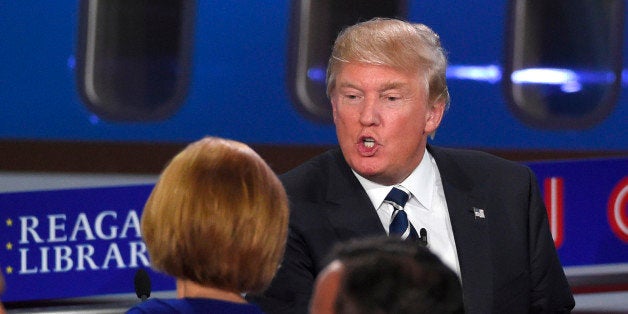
[(382, 120), (326, 289)]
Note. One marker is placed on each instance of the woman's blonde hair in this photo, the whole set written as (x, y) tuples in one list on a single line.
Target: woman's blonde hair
[(395, 43), (218, 216)]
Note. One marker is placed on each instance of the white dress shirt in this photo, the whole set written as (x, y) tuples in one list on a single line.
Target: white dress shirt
[(426, 208)]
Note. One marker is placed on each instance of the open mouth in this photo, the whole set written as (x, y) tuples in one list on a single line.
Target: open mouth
[(368, 142)]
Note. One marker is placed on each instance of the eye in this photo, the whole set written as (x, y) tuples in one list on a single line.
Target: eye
[(391, 98), (351, 96)]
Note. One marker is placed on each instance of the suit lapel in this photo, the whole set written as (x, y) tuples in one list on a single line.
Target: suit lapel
[(349, 208), (470, 233)]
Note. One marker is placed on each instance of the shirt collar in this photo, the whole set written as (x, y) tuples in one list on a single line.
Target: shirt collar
[(420, 183)]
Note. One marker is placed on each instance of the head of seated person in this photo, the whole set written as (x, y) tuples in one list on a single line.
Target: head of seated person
[(216, 220), (2, 310), (385, 275)]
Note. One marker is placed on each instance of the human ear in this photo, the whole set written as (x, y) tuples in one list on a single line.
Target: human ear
[(334, 113), (434, 116)]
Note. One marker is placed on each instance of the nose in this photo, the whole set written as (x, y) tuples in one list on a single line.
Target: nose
[(369, 115)]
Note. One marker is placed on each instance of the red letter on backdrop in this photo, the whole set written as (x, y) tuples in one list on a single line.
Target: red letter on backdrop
[(617, 208), (553, 188)]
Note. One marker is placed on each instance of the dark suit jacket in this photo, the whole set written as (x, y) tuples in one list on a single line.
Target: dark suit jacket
[(508, 261)]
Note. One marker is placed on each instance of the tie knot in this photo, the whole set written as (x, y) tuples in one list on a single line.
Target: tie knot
[(398, 196)]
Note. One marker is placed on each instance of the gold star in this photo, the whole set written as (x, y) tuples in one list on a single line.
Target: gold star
[(9, 222), (9, 246), (9, 270)]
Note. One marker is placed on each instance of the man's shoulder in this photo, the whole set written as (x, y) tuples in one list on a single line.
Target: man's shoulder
[(476, 163), (471, 157)]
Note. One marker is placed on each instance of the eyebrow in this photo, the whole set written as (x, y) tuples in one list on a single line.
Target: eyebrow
[(345, 84), (392, 85), (385, 87)]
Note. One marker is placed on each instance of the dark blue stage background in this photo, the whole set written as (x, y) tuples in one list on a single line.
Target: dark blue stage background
[(238, 83)]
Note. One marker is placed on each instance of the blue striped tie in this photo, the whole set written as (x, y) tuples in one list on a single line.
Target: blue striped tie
[(399, 225)]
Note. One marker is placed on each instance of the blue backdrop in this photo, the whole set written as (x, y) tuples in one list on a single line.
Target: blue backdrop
[(238, 87)]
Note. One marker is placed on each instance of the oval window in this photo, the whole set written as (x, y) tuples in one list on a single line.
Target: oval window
[(133, 58)]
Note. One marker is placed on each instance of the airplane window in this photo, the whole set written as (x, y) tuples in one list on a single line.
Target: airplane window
[(133, 58), (563, 66)]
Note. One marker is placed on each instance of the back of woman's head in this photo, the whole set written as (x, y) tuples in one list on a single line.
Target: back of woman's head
[(217, 216)]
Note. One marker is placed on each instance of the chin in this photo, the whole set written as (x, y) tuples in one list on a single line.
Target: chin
[(367, 171), (366, 166)]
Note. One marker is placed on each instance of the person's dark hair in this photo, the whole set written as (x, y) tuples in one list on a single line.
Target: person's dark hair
[(389, 275)]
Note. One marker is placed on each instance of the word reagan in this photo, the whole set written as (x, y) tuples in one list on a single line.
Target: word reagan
[(74, 252), (57, 231)]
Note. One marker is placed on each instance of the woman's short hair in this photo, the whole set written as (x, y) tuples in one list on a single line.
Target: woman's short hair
[(218, 216), (395, 43)]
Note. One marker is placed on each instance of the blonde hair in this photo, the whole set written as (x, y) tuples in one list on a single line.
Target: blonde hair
[(217, 216), (395, 43)]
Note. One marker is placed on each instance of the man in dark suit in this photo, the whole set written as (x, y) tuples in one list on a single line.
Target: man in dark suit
[(482, 215)]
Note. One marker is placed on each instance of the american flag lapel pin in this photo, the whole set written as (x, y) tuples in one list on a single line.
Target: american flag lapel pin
[(478, 213)]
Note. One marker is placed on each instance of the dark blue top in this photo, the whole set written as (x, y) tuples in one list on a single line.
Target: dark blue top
[(193, 305)]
